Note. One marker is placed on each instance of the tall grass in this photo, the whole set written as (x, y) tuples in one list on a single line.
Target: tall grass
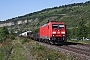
[(18, 53), (5, 50), (39, 52)]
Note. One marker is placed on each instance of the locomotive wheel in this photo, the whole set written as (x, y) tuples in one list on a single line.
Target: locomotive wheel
[(45, 40), (39, 40), (51, 42), (48, 41)]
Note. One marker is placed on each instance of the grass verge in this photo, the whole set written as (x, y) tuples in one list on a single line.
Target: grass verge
[(80, 41), (5, 50), (18, 53)]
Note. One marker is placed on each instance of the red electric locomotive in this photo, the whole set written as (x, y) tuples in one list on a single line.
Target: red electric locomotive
[(53, 32)]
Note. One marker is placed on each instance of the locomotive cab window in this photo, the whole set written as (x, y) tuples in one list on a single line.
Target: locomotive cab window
[(54, 26), (61, 26), (58, 26)]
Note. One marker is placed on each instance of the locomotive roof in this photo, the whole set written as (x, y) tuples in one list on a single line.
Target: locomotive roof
[(52, 22), (44, 25)]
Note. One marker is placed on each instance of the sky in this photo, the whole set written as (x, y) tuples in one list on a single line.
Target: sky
[(14, 8)]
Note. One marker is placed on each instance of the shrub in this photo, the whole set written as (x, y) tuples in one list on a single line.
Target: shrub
[(24, 40)]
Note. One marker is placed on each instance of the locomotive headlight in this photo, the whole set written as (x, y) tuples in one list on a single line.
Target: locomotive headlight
[(63, 35), (53, 35), (53, 32), (63, 32)]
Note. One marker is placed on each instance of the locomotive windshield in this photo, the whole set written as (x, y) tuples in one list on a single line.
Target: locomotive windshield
[(58, 26)]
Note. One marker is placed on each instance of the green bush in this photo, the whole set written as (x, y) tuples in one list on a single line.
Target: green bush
[(24, 40), (5, 51), (39, 47), (12, 37)]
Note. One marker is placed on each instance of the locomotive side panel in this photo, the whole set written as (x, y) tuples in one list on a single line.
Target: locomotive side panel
[(43, 31)]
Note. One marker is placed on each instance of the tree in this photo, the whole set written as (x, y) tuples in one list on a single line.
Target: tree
[(68, 33), (82, 32), (74, 33), (12, 35), (4, 33), (88, 31)]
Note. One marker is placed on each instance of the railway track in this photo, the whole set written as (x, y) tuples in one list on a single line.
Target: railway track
[(84, 48), (79, 51)]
